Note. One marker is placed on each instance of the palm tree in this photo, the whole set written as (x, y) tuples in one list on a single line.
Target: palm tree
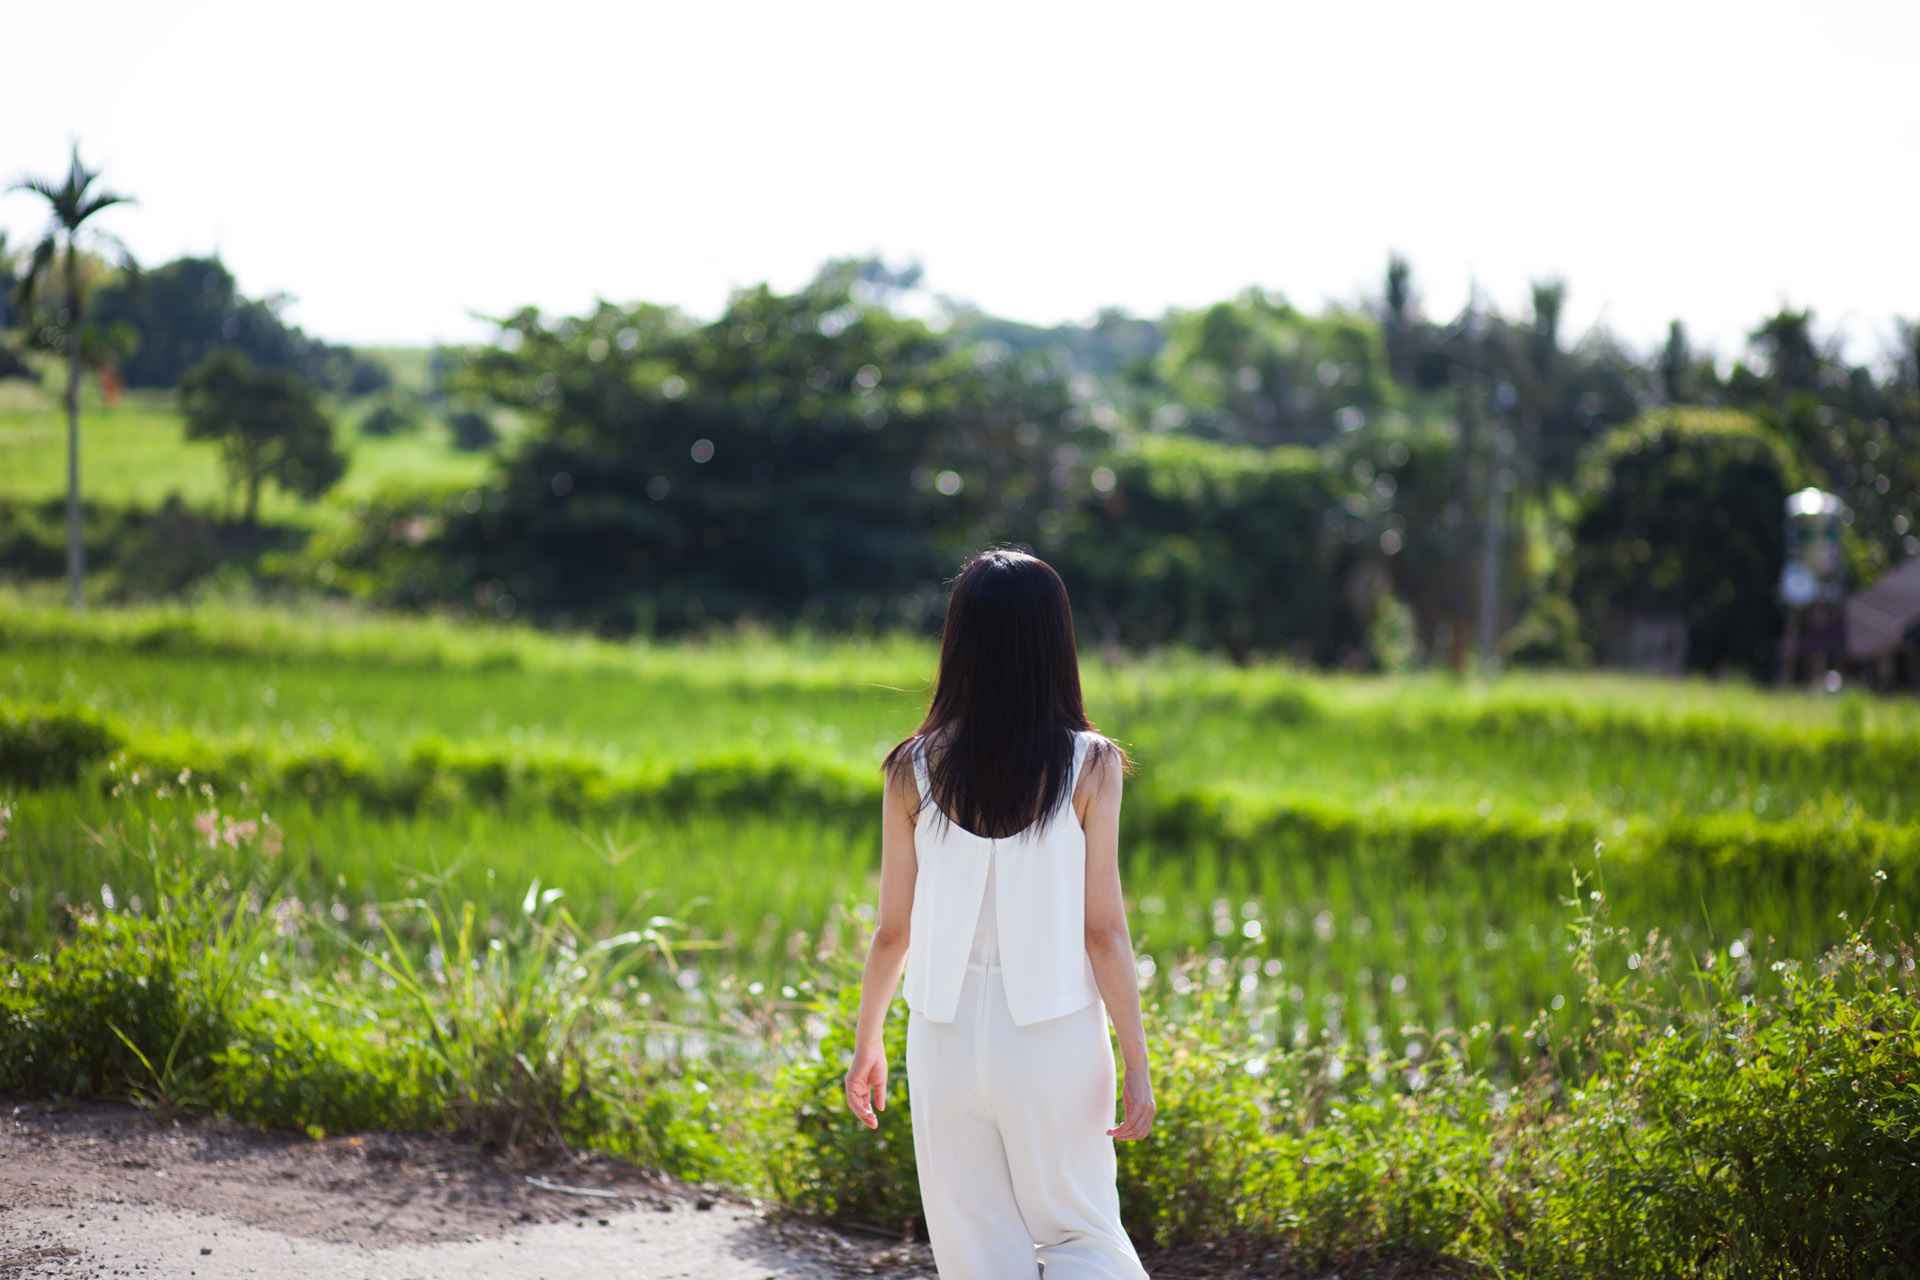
[(74, 200)]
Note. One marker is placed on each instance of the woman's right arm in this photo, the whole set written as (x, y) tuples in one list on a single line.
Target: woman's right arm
[(866, 1084)]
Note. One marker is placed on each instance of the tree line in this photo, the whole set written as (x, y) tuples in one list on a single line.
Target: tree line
[(1367, 486), (1245, 476)]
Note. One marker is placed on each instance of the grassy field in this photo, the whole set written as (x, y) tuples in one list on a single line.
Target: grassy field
[(1379, 851), (323, 871), (135, 453)]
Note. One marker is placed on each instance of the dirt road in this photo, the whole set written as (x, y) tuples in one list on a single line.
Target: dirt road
[(108, 1191)]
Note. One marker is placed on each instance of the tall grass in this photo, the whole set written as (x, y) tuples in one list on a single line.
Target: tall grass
[(1689, 1124), (1377, 852)]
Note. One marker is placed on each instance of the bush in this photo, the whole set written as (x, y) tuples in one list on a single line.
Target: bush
[(58, 1016), (49, 746), (472, 432), (819, 1159), (1683, 512), (133, 553), (1776, 1137), (1737, 1133), (394, 415), (1203, 544)]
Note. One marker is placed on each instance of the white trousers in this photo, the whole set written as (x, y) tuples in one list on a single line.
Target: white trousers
[(1010, 1136)]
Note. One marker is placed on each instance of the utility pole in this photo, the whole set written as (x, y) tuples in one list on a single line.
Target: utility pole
[(1460, 507), (1491, 548)]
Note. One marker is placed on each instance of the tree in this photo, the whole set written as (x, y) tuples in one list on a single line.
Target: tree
[(186, 309), (1682, 513), (268, 424), (1676, 365), (1258, 371), (1209, 544), (804, 456), (11, 262), (73, 201), (1859, 432)]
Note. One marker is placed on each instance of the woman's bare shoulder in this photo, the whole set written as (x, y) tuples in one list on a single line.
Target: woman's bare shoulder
[(1105, 766)]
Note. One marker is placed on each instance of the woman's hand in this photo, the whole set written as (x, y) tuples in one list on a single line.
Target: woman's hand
[(1137, 1094), (867, 1086)]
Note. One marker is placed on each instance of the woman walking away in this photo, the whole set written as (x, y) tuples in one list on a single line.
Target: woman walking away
[(1000, 866)]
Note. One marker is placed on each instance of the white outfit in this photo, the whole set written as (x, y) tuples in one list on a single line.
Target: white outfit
[(1009, 1069), (1039, 906)]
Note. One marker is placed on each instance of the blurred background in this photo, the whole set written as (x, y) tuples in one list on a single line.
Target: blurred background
[(1363, 336)]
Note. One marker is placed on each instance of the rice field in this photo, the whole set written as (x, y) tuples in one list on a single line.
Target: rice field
[(1336, 895)]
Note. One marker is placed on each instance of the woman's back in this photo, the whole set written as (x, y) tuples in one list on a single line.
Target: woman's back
[(1000, 904), (1038, 906)]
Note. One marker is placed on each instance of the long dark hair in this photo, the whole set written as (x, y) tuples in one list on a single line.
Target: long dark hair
[(1006, 704)]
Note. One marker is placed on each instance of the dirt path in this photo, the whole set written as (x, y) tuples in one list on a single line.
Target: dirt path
[(108, 1191)]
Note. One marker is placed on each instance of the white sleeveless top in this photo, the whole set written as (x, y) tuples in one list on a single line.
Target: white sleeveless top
[(1035, 926)]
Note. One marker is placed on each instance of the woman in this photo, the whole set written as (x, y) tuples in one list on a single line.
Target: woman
[(1000, 863)]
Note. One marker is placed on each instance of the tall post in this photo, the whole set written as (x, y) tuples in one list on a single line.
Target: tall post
[(1491, 551), (1467, 408), (76, 553)]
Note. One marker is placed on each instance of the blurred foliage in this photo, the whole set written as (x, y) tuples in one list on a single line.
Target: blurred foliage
[(824, 458), (1692, 1122), (807, 456), (1681, 514), (1209, 544), (180, 313), (268, 423), (473, 431), (136, 553), (394, 413), (1258, 371)]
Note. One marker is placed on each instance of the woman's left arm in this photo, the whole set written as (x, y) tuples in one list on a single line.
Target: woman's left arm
[(1110, 945), (866, 1084)]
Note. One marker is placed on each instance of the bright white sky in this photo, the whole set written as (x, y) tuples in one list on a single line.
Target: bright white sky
[(397, 166)]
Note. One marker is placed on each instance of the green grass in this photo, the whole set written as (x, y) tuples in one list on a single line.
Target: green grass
[(1376, 851), (135, 453), (417, 874), (1691, 1121)]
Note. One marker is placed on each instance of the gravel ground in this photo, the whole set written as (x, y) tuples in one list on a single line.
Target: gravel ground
[(98, 1190), (109, 1191)]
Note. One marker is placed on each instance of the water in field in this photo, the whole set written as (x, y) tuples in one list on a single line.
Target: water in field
[(1360, 938)]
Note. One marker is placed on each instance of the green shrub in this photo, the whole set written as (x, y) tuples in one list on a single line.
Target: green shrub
[(1732, 1134), (294, 1063), (396, 413), (1764, 1138), (819, 1158), (58, 1015), (1209, 544), (1682, 512), (472, 432), (49, 746)]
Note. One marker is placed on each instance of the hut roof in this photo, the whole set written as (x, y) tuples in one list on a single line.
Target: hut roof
[(1879, 618)]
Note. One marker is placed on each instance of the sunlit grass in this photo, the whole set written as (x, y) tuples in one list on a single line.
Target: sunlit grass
[(1364, 935), (135, 452)]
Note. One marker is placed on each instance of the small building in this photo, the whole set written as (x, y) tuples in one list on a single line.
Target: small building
[(1650, 642), (1883, 628)]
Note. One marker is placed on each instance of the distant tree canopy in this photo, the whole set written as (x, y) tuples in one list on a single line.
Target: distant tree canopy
[(1682, 513), (804, 455), (1859, 433), (1257, 371), (268, 424), (1243, 476), (184, 311), (1209, 544)]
